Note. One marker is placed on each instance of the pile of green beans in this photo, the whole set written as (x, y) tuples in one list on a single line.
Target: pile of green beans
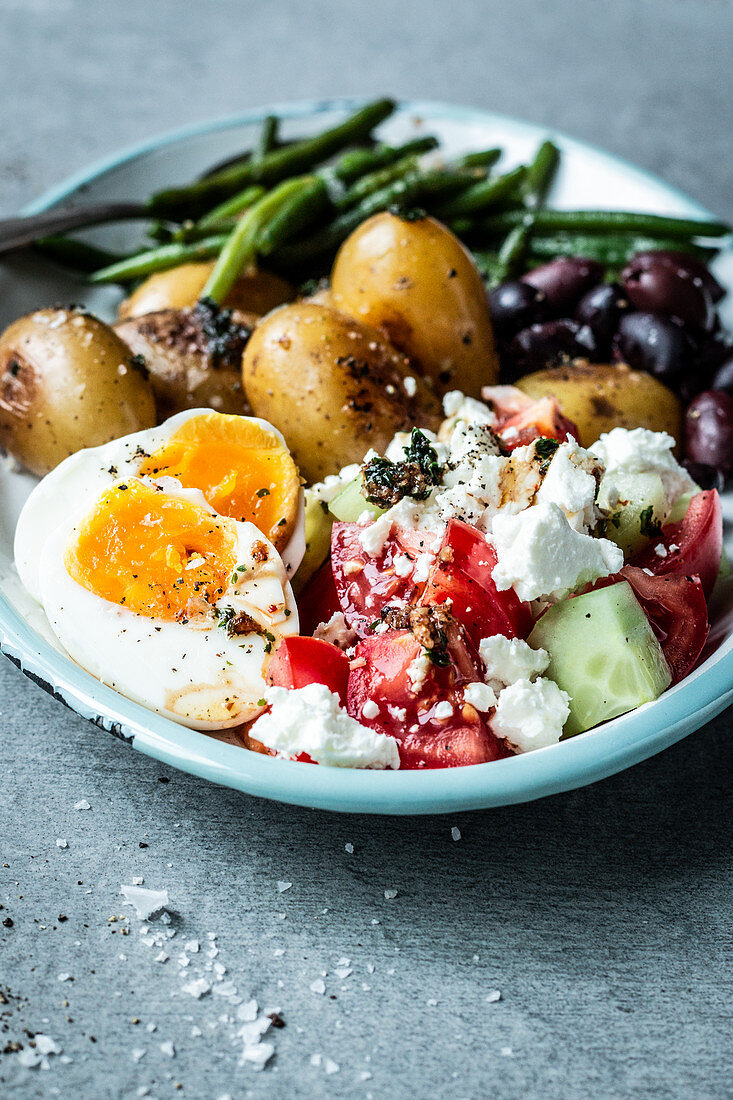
[(294, 202)]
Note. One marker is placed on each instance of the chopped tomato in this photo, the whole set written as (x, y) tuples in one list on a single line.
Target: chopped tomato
[(697, 540), (299, 661), (541, 418), (462, 574), (318, 601), (366, 584), (379, 675)]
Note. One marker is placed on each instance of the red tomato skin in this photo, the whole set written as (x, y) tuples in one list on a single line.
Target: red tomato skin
[(462, 574), (365, 584), (540, 418), (299, 661), (379, 673), (699, 538), (318, 601)]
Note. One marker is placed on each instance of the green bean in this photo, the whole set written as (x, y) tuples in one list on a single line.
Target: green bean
[(75, 254), (537, 182), (357, 162), (613, 249), (267, 140), (243, 244), (158, 259), (483, 194), (375, 181), (297, 212), (482, 158), (541, 173), (605, 221), (196, 198), (235, 205)]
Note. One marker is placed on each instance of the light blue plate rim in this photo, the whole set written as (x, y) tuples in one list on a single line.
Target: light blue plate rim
[(584, 759)]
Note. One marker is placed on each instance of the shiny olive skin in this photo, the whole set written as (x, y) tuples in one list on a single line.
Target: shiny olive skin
[(516, 305), (332, 385), (415, 282), (67, 381), (655, 344), (551, 343), (709, 430), (670, 292), (565, 281), (678, 261), (601, 310), (707, 477)]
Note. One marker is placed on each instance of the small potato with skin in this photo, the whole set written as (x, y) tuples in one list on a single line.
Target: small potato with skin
[(599, 396), (255, 291), (414, 280), (67, 382), (332, 386)]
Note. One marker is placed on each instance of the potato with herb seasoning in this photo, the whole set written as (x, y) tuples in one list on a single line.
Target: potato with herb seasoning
[(415, 281), (67, 381), (255, 291), (333, 386), (600, 396)]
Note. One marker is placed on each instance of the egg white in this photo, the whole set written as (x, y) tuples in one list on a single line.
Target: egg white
[(82, 477), (195, 674)]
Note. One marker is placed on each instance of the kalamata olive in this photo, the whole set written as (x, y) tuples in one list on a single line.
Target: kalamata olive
[(654, 344), (548, 344), (565, 281), (709, 430), (671, 292), (707, 477), (681, 261), (723, 377), (514, 306), (601, 309)]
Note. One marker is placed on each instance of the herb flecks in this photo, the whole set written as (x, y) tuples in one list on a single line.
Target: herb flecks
[(387, 482), (650, 526)]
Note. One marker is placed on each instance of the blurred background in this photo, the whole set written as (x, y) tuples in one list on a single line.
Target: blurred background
[(602, 916)]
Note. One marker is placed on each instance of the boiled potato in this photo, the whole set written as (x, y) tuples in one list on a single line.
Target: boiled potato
[(254, 291), (601, 396), (67, 381), (332, 386), (416, 282), (193, 356)]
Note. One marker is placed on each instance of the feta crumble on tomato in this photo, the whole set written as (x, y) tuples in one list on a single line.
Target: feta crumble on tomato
[(531, 714), (641, 451)]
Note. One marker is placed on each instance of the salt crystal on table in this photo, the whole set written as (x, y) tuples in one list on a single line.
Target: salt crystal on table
[(390, 894), (192, 946), (330, 1066), (195, 1032), (64, 977), (283, 886), (494, 996), (183, 960), (455, 833), (342, 972), (151, 1028), (318, 986), (137, 1053), (61, 843), (28, 1058), (146, 902), (82, 804), (197, 987), (343, 961), (161, 957), (506, 1052), (46, 1045), (138, 880), (278, 952), (432, 1002), (349, 848), (168, 1049), (365, 1075), (316, 1059), (258, 1055), (248, 1011)]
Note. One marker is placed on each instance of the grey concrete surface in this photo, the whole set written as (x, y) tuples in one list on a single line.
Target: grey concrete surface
[(602, 916)]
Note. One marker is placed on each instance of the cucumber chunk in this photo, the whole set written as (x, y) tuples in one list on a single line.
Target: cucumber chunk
[(350, 503), (642, 505), (318, 524), (603, 653)]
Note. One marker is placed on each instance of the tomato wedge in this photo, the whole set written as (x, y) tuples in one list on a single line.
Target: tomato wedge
[(379, 674), (698, 539), (299, 661), (462, 574), (318, 600), (366, 584), (540, 418)]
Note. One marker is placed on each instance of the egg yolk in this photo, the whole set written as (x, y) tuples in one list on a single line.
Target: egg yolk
[(157, 555), (243, 470)]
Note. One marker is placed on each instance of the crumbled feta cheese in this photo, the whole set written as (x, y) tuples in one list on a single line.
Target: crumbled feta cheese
[(457, 406), (402, 565), (370, 709), (311, 720), (333, 484), (444, 709), (417, 671), (660, 550), (423, 565), (480, 696), (571, 482), (510, 659), (336, 631), (640, 451), (531, 715), (541, 556)]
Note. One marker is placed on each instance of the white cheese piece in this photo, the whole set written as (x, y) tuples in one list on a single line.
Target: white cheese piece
[(370, 709), (444, 709), (640, 451), (480, 696), (570, 483), (417, 671), (336, 631), (510, 659), (311, 720), (531, 715), (541, 556), (457, 406)]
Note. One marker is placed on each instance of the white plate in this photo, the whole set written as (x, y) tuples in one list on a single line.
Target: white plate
[(588, 178)]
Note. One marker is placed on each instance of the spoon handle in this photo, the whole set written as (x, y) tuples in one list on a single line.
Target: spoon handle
[(22, 231)]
